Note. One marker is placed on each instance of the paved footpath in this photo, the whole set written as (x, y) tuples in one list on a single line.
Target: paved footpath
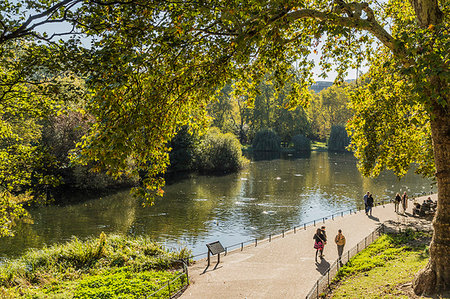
[(284, 267)]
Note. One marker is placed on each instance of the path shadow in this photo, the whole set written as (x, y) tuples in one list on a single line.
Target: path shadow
[(214, 268), (322, 266), (374, 218)]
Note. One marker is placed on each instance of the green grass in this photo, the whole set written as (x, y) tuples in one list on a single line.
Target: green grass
[(379, 270), (318, 146), (105, 267)]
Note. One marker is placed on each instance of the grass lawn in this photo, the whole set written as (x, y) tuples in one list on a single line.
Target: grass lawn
[(385, 269), (106, 267)]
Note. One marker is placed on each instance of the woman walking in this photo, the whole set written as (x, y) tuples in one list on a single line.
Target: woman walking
[(318, 242), (404, 202)]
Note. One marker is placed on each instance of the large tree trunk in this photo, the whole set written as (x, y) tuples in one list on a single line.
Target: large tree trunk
[(435, 277)]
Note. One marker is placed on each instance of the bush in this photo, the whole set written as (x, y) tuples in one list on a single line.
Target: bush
[(182, 155), (301, 143), (338, 140), (219, 152), (76, 258), (266, 140)]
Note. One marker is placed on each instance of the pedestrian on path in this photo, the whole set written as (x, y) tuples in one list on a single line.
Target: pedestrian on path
[(365, 201), (340, 242), (318, 242), (397, 201), (369, 204), (404, 202)]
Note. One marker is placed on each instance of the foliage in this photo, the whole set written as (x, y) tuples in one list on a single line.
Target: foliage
[(338, 140), (219, 152), (329, 108), (76, 266), (301, 143), (391, 127), (183, 151), (266, 140)]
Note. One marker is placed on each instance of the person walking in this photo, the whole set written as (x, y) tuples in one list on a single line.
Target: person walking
[(319, 243), (340, 242), (404, 202), (365, 201), (369, 204), (397, 201)]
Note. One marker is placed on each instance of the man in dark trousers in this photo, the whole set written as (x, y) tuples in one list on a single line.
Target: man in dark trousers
[(340, 242)]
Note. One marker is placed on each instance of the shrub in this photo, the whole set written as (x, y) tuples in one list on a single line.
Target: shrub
[(338, 140), (219, 152), (266, 140), (182, 155), (301, 143)]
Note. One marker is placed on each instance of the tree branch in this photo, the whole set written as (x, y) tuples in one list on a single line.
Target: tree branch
[(369, 24)]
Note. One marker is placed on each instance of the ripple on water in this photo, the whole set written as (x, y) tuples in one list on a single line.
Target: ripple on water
[(200, 199), (269, 212)]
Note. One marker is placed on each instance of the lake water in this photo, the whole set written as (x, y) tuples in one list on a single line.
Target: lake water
[(266, 197)]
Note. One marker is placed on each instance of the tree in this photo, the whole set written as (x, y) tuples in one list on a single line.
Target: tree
[(153, 66), (339, 139), (328, 108)]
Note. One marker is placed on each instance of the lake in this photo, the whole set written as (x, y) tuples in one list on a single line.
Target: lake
[(266, 197)]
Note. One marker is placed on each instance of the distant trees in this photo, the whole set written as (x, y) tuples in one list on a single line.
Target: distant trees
[(328, 108), (301, 143), (339, 139), (231, 112), (266, 140)]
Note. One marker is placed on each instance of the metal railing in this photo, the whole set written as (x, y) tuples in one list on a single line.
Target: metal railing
[(322, 285), (294, 229), (174, 286)]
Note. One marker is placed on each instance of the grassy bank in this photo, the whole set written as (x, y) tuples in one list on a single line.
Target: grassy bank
[(385, 269), (105, 267)]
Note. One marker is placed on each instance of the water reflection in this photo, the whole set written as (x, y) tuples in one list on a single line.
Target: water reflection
[(268, 196)]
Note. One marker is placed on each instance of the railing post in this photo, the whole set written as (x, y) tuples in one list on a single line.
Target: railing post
[(242, 246), (270, 238), (328, 272), (357, 247), (332, 216), (283, 232), (323, 219), (256, 242), (317, 288), (304, 225), (226, 250), (314, 222), (187, 274), (342, 214), (294, 229)]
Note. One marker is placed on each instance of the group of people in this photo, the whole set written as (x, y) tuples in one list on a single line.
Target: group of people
[(320, 240), (368, 203), (401, 199), (427, 207)]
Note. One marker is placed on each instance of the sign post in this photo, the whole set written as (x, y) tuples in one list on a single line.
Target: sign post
[(215, 248)]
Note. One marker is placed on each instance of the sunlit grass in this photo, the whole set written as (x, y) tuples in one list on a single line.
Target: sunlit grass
[(378, 271), (114, 266)]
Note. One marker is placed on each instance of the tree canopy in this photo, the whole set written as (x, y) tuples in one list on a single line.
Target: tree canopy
[(153, 66)]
